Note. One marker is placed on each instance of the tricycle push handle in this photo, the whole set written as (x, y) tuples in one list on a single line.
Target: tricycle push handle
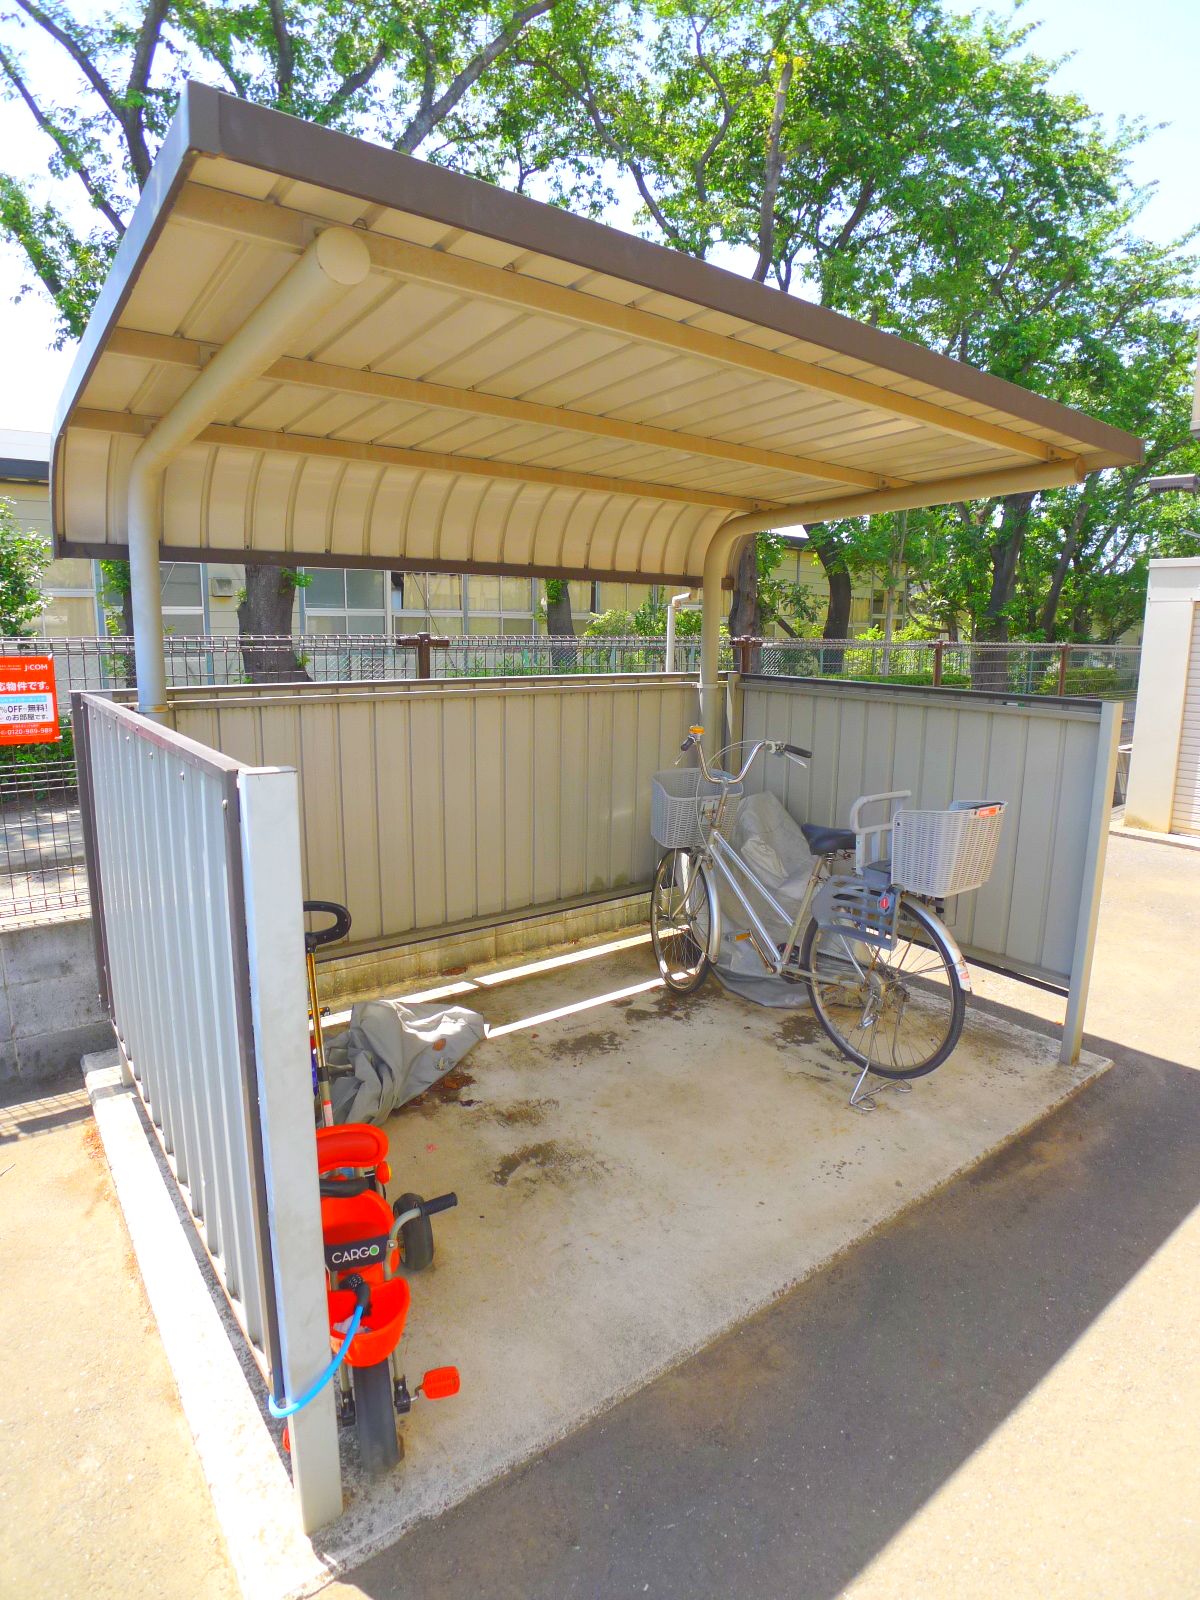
[(337, 929)]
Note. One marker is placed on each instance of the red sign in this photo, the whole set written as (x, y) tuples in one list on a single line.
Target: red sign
[(28, 701)]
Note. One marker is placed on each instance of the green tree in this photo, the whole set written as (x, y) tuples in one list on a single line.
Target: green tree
[(24, 557), (415, 78), (918, 169)]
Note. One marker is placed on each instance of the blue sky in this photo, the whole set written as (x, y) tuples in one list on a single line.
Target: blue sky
[(1130, 59)]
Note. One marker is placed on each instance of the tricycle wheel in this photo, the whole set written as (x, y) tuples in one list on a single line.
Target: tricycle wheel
[(375, 1418), (416, 1236)]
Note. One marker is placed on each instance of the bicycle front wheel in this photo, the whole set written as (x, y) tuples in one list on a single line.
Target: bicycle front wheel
[(682, 914), (898, 1012)]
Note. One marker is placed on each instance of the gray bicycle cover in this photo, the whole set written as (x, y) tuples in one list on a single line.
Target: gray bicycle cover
[(770, 841), (392, 1052)]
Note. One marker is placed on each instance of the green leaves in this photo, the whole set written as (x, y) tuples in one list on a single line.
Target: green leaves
[(24, 556)]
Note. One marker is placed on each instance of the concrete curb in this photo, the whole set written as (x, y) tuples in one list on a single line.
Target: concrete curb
[(251, 1491), (1181, 841)]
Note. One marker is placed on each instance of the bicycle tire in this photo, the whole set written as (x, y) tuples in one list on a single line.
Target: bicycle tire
[(681, 977), (416, 1237), (958, 1000), (375, 1418)]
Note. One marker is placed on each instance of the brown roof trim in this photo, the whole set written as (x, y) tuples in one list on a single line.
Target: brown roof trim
[(307, 153), (211, 123)]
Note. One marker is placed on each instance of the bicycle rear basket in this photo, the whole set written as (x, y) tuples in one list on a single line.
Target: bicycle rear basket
[(683, 806), (941, 853)]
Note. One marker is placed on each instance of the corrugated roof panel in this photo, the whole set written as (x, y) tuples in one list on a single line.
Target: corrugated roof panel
[(500, 298)]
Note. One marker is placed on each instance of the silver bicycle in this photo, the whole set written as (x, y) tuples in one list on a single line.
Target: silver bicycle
[(887, 981)]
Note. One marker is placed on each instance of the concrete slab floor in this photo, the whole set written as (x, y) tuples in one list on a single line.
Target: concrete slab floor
[(636, 1174), (100, 1491), (994, 1395)]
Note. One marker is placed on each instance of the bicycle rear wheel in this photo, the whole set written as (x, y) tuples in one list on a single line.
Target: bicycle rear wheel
[(682, 915), (898, 1012)]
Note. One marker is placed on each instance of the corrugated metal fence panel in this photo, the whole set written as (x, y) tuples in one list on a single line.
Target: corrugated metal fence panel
[(167, 858), (442, 802), (1040, 759), (1185, 808)]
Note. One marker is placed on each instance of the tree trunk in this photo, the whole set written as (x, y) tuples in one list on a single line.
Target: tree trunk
[(837, 613), (745, 612), (560, 624), (989, 668), (266, 613), (1049, 617)]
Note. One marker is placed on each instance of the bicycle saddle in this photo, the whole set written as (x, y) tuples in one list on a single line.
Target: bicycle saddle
[(826, 841)]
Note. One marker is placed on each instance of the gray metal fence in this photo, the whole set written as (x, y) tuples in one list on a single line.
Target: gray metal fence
[(193, 861), (424, 805), (1053, 762)]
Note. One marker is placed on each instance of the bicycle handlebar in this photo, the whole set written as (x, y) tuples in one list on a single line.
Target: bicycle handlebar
[(775, 747)]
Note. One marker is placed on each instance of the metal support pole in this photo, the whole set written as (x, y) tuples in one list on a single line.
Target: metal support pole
[(673, 605), (1099, 819), (335, 261), (270, 842)]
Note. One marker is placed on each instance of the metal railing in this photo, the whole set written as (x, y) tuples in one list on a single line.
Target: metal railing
[(1089, 670), (41, 841), (194, 864), (161, 841)]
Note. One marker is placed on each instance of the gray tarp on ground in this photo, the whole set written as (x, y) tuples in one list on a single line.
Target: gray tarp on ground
[(771, 842), (392, 1052)]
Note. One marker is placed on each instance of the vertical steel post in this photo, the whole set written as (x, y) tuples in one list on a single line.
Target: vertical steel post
[(270, 836), (1099, 819)]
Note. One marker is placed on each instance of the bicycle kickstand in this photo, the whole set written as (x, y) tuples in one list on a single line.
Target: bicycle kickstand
[(864, 1100)]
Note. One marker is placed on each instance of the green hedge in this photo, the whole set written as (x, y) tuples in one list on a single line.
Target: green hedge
[(30, 757), (1096, 683)]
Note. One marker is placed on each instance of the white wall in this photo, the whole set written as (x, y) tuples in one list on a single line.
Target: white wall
[(1173, 593)]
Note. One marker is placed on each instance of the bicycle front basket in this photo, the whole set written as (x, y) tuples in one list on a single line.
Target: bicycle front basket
[(683, 805), (941, 853)]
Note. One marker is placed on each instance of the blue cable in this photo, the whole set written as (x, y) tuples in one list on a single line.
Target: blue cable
[(292, 1406)]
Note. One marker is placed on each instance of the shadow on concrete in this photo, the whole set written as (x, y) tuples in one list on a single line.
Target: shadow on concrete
[(28, 1108), (783, 1458)]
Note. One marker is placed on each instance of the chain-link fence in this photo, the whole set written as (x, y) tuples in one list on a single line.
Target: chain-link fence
[(41, 841), (98, 664), (1093, 671)]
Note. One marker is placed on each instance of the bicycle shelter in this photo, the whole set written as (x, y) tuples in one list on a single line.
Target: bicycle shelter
[(315, 351)]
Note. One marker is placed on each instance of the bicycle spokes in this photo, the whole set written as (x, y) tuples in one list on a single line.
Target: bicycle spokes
[(898, 1011)]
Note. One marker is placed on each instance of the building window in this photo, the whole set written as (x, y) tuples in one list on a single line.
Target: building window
[(183, 597), (344, 600)]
